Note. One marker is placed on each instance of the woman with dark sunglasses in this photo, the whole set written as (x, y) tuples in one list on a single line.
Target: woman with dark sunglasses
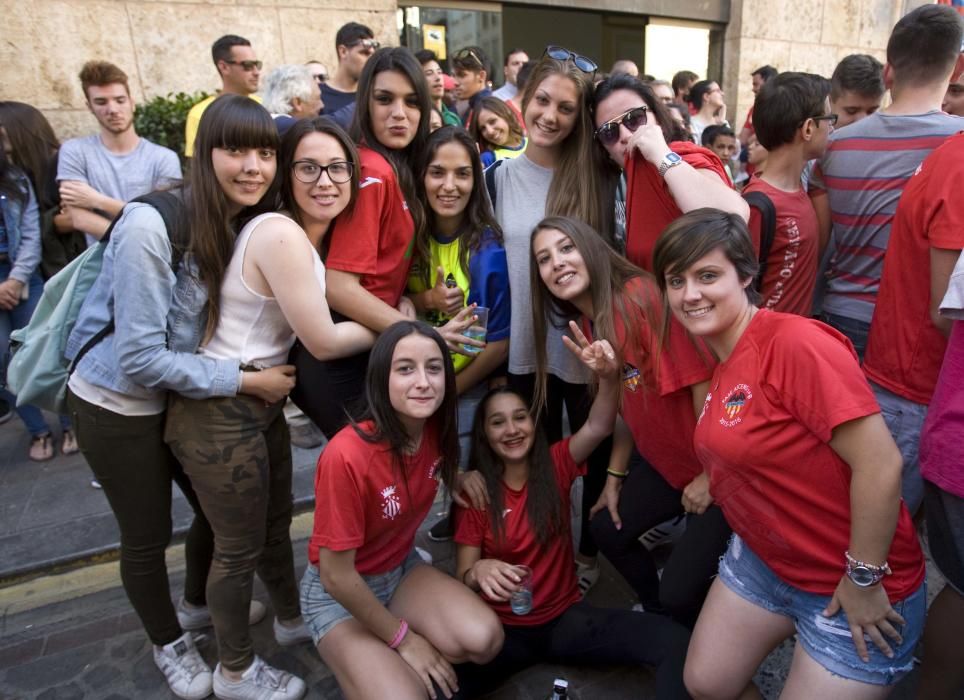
[(665, 174)]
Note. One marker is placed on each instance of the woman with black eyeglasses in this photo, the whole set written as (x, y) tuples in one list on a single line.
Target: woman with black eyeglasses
[(665, 174)]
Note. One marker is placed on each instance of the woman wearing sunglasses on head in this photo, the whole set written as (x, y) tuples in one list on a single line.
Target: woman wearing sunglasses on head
[(665, 174)]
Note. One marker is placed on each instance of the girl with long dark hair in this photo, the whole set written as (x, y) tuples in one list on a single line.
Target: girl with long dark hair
[(367, 598), (118, 392), (497, 131)]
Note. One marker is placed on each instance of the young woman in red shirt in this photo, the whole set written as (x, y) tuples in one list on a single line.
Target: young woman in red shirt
[(386, 624), (807, 474), (525, 530), (575, 274)]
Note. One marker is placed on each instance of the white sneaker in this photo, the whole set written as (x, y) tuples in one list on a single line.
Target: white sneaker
[(586, 577), (187, 674), (664, 533), (259, 682), (287, 636), (192, 618)]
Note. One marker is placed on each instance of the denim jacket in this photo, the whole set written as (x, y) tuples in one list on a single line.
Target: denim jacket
[(158, 319), (22, 221)]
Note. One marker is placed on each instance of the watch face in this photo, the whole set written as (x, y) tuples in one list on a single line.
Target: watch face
[(862, 576), (673, 158)]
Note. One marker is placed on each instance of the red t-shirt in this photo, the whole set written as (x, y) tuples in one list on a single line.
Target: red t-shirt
[(792, 263), (364, 502), (763, 437), (657, 404), (376, 240), (554, 586), (650, 207), (905, 349)]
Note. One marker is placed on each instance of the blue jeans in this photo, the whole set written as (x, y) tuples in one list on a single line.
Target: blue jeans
[(857, 331), (905, 419)]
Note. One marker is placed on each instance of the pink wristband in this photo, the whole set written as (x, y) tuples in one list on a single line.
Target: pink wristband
[(399, 636)]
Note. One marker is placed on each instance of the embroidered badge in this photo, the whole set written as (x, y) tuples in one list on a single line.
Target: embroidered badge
[(391, 505), (630, 377), (734, 404)]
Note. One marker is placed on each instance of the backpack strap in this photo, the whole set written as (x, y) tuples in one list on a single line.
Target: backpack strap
[(768, 230), (489, 175)]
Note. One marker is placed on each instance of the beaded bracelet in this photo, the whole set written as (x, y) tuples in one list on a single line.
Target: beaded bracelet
[(399, 636), (620, 475)]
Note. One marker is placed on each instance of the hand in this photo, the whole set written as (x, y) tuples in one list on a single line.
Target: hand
[(79, 194), (721, 115), (497, 580), (443, 298), (10, 291), (609, 499), (452, 331), (470, 490), (696, 495), (428, 663), (596, 355), (271, 385), (868, 612), (650, 142), (406, 308)]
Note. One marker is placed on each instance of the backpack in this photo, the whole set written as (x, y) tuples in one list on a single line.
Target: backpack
[(37, 373), (768, 230)]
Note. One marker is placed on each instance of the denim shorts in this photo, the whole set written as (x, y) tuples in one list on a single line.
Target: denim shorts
[(321, 612), (828, 641)]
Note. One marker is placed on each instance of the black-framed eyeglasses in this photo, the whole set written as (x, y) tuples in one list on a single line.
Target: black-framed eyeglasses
[(247, 66), (310, 172), (832, 118), (634, 118), (371, 44), (469, 54), (586, 65)]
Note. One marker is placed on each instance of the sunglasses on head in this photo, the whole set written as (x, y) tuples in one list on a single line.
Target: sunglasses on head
[(586, 65), (468, 55), (372, 44), (246, 65), (634, 118)]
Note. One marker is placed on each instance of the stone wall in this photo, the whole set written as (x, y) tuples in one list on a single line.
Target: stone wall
[(163, 46)]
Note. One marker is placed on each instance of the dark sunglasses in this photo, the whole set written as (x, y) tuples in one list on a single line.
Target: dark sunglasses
[(372, 44), (463, 55), (586, 65), (246, 65), (310, 172), (608, 133)]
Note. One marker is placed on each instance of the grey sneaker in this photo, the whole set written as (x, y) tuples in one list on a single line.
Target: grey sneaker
[(191, 618), (186, 673), (288, 636), (259, 682)]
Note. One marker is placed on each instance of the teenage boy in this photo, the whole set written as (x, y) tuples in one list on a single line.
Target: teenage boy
[(858, 182), (100, 173), (758, 79), (793, 122), (240, 72), (436, 85), (514, 60), (470, 67), (354, 43), (722, 141), (856, 88)]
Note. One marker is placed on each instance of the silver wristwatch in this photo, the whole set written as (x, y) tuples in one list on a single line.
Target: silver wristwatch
[(865, 575), (670, 160)]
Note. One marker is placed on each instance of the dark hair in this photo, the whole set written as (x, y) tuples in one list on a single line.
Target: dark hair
[(500, 109), (401, 60), (698, 92), (350, 33), (510, 52), (714, 131), (425, 56), (783, 104), (765, 72), (682, 79), (471, 62), (231, 121), (387, 426), (522, 77), (286, 158), (698, 233), (925, 44), (221, 49), (543, 501), (477, 218), (34, 146), (860, 73), (101, 73), (14, 184)]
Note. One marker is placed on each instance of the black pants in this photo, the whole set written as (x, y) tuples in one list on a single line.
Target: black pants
[(136, 469), (328, 392), (577, 401), (588, 636), (646, 500)]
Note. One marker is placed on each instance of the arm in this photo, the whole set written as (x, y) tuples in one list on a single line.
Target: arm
[(618, 462), (75, 193), (88, 222), (494, 354), (600, 358), (28, 252), (942, 265), (441, 297), (63, 222), (347, 296), (821, 207), (696, 494), (495, 579)]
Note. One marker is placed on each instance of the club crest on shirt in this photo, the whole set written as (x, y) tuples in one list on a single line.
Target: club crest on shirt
[(630, 377), (391, 505), (736, 401)]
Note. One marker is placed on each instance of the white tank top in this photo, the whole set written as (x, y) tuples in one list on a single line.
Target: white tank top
[(251, 326)]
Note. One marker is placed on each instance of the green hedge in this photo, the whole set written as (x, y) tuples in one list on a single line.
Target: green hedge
[(162, 119)]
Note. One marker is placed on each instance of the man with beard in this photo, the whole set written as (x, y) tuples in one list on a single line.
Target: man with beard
[(99, 173)]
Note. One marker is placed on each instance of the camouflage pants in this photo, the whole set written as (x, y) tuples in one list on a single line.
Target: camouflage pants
[(237, 454)]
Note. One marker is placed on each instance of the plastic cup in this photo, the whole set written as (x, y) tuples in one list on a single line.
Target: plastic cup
[(521, 599), (477, 330)]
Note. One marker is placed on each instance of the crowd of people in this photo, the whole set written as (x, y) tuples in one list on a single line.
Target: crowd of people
[(754, 338)]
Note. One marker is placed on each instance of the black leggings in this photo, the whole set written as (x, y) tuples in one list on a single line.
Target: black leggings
[(588, 636), (328, 392), (646, 500), (578, 402)]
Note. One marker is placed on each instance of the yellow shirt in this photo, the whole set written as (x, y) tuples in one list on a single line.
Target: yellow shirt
[(194, 118)]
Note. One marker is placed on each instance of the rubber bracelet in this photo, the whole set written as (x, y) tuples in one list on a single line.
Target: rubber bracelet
[(620, 475), (399, 636)]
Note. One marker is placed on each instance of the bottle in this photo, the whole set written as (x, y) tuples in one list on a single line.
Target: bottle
[(560, 690)]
